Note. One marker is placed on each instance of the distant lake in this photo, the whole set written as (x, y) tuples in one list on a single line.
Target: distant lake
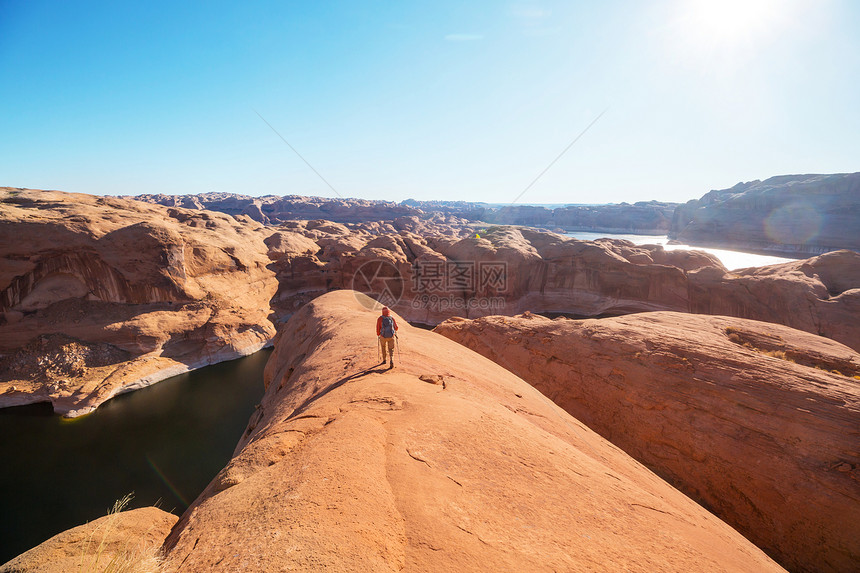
[(165, 443), (731, 259)]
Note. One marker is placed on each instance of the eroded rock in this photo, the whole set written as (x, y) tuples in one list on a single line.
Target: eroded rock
[(757, 421), (350, 467), (109, 295)]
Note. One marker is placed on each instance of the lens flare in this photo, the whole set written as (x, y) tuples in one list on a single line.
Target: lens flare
[(793, 224), (167, 482)]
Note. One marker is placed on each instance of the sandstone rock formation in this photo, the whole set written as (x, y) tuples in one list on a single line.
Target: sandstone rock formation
[(428, 278), (130, 538), (445, 463), (271, 209), (644, 217), (820, 295), (758, 422), (101, 295), (506, 270), (789, 214)]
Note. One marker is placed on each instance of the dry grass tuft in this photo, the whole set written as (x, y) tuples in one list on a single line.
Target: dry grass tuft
[(128, 555), (781, 354)]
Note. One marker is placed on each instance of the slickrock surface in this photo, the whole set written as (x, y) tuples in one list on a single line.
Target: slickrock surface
[(789, 214), (759, 422), (448, 462), (128, 537), (101, 295)]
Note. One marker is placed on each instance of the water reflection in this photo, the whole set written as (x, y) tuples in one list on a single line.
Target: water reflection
[(164, 443), (732, 260)]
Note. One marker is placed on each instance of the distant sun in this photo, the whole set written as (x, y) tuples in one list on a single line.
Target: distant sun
[(730, 20), (728, 26)]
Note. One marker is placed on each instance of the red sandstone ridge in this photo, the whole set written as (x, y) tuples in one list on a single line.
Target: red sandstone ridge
[(446, 463), (101, 295), (759, 422)]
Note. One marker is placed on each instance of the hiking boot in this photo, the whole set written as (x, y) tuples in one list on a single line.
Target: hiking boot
[(391, 365)]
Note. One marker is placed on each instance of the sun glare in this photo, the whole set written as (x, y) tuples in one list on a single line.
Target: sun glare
[(728, 22), (727, 30)]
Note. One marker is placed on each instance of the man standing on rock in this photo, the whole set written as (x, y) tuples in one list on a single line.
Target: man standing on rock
[(386, 327)]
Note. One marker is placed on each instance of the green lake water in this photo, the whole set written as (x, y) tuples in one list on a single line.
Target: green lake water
[(165, 443)]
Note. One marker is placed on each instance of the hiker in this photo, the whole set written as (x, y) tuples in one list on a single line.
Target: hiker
[(386, 327)]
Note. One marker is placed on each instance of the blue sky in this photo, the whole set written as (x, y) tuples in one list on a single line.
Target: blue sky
[(428, 100)]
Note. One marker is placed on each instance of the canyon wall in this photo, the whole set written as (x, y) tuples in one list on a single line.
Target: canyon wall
[(788, 214), (101, 295)]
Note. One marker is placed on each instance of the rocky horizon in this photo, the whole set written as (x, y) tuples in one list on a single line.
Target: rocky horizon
[(644, 217), (788, 215)]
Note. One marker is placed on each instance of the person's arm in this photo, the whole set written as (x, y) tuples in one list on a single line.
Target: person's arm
[(379, 326), (395, 323)]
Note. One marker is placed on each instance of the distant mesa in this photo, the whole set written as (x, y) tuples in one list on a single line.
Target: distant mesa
[(646, 217), (789, 214), (756, 421)]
